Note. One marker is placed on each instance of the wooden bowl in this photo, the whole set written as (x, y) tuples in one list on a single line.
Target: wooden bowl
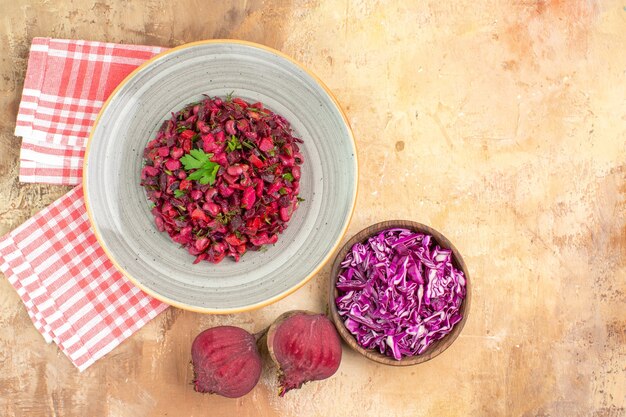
[(436, 347)]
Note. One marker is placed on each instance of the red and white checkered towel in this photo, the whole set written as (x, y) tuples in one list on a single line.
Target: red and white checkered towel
[(72, 292), (66, 84)]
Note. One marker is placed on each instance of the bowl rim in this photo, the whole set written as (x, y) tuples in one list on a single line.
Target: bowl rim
[(437, 347), (179, 304)]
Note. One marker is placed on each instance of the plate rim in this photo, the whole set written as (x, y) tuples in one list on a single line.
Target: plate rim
[(276, 297)]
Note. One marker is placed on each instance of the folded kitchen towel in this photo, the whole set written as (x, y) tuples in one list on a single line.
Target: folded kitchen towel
[(71, 290), (66, 84)]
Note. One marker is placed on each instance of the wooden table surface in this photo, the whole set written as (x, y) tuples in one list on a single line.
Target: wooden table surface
[(500, 123)]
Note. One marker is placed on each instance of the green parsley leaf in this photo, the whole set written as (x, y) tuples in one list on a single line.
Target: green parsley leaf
[(168, 172), (181, 129), (282, 191), (206, 174), (233, 143), (206, 170), (195, 159), (210, 178), (288, 176), (229, 97), (151, 205), (179, 193)]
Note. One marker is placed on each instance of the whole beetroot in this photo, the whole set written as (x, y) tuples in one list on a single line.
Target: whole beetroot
[(305, 346), (226, 361)]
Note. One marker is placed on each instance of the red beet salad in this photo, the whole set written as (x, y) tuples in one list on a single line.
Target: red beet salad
[(223, 177)]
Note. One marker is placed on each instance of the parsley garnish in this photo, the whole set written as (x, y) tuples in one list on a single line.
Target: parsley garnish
[(206, 170), (233, 143), (179, 193), (195, 159), (288, 176), (229, 97)]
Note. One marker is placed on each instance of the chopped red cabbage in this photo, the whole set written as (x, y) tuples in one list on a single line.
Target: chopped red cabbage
[(399, 293)]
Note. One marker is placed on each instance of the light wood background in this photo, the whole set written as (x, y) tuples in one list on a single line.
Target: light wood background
[(500, 123)]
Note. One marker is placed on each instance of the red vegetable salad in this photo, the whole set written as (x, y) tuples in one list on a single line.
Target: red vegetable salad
[(223, 177)]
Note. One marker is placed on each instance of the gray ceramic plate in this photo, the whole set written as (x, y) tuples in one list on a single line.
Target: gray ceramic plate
[(117, 204)]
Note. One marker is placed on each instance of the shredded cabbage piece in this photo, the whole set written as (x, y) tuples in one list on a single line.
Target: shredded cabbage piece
[(399, 292)]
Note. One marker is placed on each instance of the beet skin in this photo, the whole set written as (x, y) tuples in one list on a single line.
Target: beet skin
[(305, 346), (226, 361)]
